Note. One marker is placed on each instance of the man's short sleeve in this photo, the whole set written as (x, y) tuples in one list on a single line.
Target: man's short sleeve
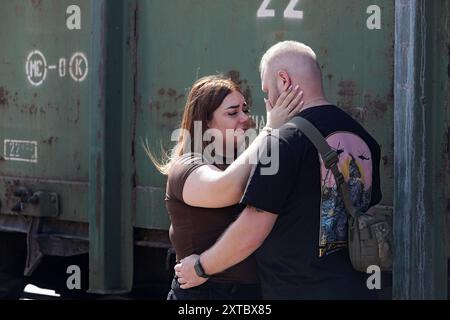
[(272, 182)]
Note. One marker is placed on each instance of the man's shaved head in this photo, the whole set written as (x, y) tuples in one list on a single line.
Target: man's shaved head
[(298, 62), (288, 52)]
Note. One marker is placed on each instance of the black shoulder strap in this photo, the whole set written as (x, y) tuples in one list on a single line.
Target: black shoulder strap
[(329, 157)]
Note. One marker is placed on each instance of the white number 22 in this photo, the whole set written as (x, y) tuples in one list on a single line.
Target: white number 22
[(290, 12)]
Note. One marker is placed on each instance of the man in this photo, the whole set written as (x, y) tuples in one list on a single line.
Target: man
[(295, 219)]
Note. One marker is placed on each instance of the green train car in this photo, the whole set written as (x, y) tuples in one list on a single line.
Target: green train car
[(83, 83)]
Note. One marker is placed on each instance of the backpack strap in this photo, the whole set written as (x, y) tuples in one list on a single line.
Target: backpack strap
[(329, 157)]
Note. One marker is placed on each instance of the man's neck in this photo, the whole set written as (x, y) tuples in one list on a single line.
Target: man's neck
[(314, 102)]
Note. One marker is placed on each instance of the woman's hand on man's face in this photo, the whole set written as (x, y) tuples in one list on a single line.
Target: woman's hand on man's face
[(288, 104)]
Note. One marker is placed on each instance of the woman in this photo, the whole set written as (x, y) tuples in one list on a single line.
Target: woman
[(202, 196)]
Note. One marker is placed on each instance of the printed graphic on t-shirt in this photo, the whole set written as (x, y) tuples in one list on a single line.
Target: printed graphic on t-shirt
[(355, 163)]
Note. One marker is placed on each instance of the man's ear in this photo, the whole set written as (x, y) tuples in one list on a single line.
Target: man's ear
[(284, 79)]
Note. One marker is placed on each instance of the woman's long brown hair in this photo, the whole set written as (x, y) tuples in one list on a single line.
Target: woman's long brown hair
[(205, 96)]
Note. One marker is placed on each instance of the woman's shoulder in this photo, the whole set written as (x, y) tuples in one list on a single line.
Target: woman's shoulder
[(179, 171), (185, 161), (183, 165)]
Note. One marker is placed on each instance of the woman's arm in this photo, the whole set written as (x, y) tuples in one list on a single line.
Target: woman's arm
[(210, 187)]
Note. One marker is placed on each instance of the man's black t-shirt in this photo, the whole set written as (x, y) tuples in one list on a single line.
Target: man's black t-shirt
[(305, 256)]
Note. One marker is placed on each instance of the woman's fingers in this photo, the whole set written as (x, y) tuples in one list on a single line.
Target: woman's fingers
[(286, 97), (283, 96), (280, 99), (297, 109), (288, 105), (289, 97), (295, 102)]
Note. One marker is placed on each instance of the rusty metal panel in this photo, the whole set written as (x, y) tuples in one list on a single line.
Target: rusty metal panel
[(59, 124), (44, 102), (421, 142), (47, 114), (182, 40)]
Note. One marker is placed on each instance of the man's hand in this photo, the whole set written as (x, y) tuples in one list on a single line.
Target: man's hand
[(185, 272)]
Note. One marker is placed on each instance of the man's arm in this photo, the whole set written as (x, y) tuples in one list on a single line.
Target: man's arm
[(240, 240)]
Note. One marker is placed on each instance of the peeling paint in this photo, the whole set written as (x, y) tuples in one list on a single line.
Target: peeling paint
[(171, 93), (348, 88), (32, 109), (170, 115), (358, 113), (50, 140), (4, 97), (180, 97), (377, 106), (380, 106), (10, 187), (36, 3), (243, 84), (279, 35)]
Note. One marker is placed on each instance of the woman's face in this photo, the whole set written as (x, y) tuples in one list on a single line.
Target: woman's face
[(232, 114)]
